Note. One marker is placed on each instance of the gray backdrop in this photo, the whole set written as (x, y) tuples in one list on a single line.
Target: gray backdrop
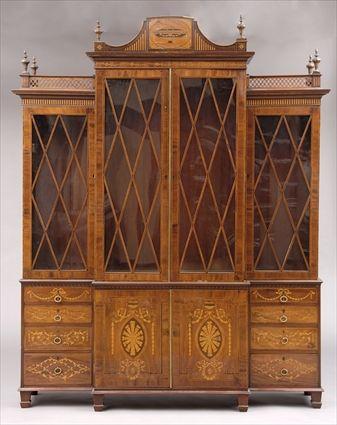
[(283, 34)]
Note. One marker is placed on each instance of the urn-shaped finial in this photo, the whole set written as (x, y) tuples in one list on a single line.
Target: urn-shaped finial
[(310, 65), (316, 60), (98, 31), (241, 27), (25, 62), (34, 66)]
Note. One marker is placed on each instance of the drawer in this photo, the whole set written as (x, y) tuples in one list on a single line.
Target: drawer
[(57, 314), (280, 338), (284, 314), (56, 294), (57, 369), (283, 370), (57, 338), (281, 295)]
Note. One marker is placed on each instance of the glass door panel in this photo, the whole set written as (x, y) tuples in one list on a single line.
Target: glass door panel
[(205, 169), (134, 165), (282, 189), (59, 192)]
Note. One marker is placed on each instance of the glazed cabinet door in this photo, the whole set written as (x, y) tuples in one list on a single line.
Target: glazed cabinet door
[(282, 232), (132, 169), (131, 339), (210, 339), (58, 192), (208, 175)]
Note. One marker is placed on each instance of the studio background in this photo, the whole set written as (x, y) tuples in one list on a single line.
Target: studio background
[(57, 33)]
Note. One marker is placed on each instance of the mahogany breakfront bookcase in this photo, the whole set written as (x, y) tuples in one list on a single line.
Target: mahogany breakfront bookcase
[(170, 222)]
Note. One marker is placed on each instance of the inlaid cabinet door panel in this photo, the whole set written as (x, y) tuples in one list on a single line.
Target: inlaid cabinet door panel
[(131, 339), (210, 339)]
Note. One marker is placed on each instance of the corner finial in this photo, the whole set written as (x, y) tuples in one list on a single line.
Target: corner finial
[(34, 67), (241, 26), (98, 31), (317, 61), (310, 65), (25, 63)]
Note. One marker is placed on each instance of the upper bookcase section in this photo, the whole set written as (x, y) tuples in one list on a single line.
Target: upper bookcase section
[(172, 37)]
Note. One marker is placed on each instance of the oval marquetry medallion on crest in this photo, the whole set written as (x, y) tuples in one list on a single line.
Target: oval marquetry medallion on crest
[(133, 338), (209, 339)]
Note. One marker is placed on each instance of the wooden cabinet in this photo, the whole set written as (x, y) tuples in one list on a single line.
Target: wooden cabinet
[(170, 222)]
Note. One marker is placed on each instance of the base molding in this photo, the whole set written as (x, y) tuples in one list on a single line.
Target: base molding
[(99, 394)]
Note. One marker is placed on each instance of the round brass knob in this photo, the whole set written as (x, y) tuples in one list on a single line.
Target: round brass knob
[(283, 298), (283, 318), (57, 340), (284, 340), (57, 318), (57, 371), (57, 298), (284, 372)]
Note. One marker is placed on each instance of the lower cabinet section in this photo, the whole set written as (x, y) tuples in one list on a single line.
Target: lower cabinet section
[(57, 369), (190, 339), (284, 370), (201, 344)]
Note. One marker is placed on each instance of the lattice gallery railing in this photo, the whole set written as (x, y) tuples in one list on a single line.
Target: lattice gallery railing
[(283, 82), (57, 83)]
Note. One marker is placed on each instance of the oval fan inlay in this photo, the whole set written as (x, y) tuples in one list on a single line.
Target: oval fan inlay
[(133, 338), (209, 338)]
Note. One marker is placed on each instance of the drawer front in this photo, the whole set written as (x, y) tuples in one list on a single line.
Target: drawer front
[(56, 295), (280, 338), (283, 295), (57, 338), (57, 369), (57, 315), (278, 370), (284, 314)]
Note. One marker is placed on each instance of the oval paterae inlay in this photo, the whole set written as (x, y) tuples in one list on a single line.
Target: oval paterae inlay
[(133, 338), (209, 338)]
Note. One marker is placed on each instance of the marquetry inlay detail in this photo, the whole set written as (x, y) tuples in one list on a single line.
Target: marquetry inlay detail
[(50, 315), (58, 292), (209, 336), (133, 338), (209, 369), (52, 368), (294, 338), (132, 368), (133, 333), (68, 338), (279, 369), (284, 295), (274, 314)]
